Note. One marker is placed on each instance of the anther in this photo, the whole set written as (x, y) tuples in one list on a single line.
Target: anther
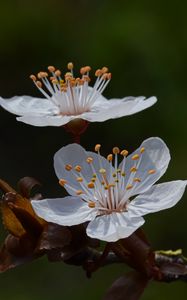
[(89, 160), (68, 167), (39, 84), (110, 157), (79, 179), (142, 150), (78, 168), (97, 147), (116, 150), (58, 73), (98, 73), (91, 185), (33, 77), (116, 180), (79, 192), (93, 179), (133, 169), (102, 171), (83, 70), (70, 66), (94, 175), (129, 186), (114, 175), (136, 179), (106, 187), (62, 182), (123, 174), (135, 157), (118, 171), (51, 69), (104, 70), (152, 171), (91, 204), (124, 152), (111, 185)]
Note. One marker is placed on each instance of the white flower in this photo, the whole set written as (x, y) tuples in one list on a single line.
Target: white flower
[(72, 98), (112, 198)]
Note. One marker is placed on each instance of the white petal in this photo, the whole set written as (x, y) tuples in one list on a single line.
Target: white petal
[(21, 105), (158, 197), (113, 227), (45, 120), (155, 157), (119, 108), (74, 154), (66, 211)]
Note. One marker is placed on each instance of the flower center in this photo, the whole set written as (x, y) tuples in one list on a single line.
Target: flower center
[(109, 188), (71, 95)]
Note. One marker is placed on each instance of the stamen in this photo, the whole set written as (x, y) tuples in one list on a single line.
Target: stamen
[(91, 204), (51, 69), (135, 157), (118, 171), (39, 84), (142, 150), (110, 157), (114, 174), (79, 192), (97, 147), (78, 168), (124, 152), (89, 160), (123, 174), (129, 186), (58, 73), (68, 167), (33, 77), (102, 171), (91, 185), (79, 179), (136, 179), (133, 169), (70, 66), (62, 182), (152, 171), (116, 150)]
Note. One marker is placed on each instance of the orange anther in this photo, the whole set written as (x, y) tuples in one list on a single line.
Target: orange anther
[(78, 168), (116, 150), (51, 69), (124, 152), (135, 157), (68, 167), (62, 182)]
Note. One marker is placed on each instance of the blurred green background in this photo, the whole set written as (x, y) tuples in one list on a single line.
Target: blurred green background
[(144, 43)]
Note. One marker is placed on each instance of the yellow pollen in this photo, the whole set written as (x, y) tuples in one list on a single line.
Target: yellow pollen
[(62, 182), (91, 185), (142, 150), (89, 160), (129, 186), (106, 187), (102, 171), (51, 69), (78, 168), (79, 192), (133, 169), (123, 174), (136, 179), (110, 157), (135, 157), (70, 66), (91, 204), (39, 84), (97, 147), (116, 150), (152, 171), (68, 167), (33, 77), (124, 152), (79, 179)]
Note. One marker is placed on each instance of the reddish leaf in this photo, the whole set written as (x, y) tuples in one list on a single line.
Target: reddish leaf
[(26, 184), (128, 287), (54, 237)]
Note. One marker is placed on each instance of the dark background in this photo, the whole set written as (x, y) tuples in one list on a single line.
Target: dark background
[(144, 43)]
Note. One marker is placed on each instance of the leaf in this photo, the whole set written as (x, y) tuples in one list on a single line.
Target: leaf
[(26, 184), (128, 287)]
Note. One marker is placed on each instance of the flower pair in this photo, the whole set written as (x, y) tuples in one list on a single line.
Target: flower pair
[(112, 197)]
